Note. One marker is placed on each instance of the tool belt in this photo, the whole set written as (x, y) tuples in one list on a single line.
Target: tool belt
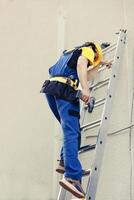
[(61, 87), (66, 80)]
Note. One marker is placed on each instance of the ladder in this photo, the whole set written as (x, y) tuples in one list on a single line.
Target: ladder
[(103, 123)]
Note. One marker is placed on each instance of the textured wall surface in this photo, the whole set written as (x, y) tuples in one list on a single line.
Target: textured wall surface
[(26, 133), (32, 35)]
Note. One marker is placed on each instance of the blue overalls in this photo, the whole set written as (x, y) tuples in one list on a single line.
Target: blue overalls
[(67, 113)]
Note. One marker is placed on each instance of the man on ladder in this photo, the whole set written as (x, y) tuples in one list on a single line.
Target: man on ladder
[(74, 66)]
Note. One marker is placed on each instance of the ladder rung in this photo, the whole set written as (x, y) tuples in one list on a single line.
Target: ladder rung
[(100, 103), (109, 50), (100, 84), (100, 100), (97, 103), (87, 148), (109, 47), (90, 124)]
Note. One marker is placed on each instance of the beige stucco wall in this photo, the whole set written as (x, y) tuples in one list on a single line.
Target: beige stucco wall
[(32, 34)]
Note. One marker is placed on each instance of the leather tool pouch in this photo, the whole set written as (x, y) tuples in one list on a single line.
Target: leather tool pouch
[(60, 90)]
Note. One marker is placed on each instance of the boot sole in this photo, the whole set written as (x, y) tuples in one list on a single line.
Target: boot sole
[(68, 188), (86, 174), (60, 171)]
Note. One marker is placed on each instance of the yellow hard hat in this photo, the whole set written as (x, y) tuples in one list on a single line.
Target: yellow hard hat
[(99, 56), (89, 54)]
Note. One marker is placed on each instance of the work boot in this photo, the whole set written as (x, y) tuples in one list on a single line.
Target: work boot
[(61, 170), (73, 186)]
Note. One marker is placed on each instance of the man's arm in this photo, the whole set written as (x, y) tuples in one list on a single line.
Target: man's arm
[(92, 72), (83, 77)]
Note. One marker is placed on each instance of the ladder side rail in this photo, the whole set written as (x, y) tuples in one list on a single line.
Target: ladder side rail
[(62, 193), (101, 141)]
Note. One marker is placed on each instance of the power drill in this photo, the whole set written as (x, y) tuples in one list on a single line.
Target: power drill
[(90, 104)]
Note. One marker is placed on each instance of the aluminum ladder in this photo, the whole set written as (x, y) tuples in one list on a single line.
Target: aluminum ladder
[(103, 123)]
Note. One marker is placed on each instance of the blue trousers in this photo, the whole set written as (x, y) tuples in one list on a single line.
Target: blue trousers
[(67, 115)]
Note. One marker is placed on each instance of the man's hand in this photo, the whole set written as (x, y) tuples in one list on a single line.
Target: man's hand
[(85, 96), (108, 64)]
